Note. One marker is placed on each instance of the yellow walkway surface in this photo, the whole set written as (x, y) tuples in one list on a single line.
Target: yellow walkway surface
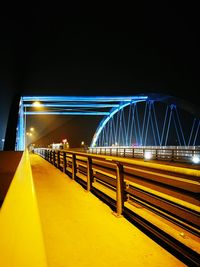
[(80, 230)]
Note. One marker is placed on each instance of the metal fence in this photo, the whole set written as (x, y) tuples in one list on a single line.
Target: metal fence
[(141, 191), (179, 153)]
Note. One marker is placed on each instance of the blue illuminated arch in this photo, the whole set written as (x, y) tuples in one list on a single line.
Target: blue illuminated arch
[(112, 113), (106, 106)]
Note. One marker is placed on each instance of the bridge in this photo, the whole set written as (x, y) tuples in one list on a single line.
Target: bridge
[(140, 120), (107, 206), (75, 208)]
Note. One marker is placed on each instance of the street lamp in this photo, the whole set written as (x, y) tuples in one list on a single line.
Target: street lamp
[(29, 134), (36, 104), (82, 143)]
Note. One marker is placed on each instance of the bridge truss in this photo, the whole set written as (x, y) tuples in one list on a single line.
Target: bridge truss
[(127, 120), (148, 123)]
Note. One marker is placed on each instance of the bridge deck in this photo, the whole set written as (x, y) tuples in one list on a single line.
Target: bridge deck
[(80, 230)]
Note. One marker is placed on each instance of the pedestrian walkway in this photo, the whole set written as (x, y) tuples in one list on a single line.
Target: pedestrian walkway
[(80, 230)]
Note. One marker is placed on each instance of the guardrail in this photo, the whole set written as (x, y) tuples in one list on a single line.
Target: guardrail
[(162, 199), (178, 154), (21, 239)]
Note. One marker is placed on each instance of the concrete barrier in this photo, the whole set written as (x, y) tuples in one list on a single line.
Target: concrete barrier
[(21, 239)]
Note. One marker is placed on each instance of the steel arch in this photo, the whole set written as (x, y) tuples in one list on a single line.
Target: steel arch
[(123, 127), (107, 118)]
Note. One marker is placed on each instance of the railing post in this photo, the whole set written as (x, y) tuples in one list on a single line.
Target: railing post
[(172, 159), (119, 189), (89, 173), (64, 162), (58, 159), (54, 157), (49, 155), (45, 154), (73, 166)]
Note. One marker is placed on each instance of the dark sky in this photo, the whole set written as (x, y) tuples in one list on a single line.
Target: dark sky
[(99, 48)]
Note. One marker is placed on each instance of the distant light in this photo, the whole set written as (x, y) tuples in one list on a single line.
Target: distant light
[(36, 104), (195, 159), (31, 129), (147, 155), (82, 143), (64, 141)]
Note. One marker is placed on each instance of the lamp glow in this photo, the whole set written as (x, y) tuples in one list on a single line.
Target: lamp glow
[(195, 159), (36, 104), (147, 155)]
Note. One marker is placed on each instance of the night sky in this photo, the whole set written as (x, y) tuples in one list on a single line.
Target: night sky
[(98, 49)]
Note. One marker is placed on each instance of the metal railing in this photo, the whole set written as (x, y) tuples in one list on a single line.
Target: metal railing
[(142, 191), (176, 154)]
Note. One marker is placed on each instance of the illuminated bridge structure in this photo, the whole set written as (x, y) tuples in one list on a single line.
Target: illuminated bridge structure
[(46, 219), (128, 121)]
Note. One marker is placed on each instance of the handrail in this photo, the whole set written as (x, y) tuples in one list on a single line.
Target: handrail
[(54, 156), (21, 239), (173, 168), (167, 196), (164, 153)]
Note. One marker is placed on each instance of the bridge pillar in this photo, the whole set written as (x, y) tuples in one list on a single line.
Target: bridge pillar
[(10, 137)]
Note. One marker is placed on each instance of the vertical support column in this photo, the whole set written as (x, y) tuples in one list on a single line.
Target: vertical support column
[(73, 166), (89, 173), (64, 162), (119, 189)]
